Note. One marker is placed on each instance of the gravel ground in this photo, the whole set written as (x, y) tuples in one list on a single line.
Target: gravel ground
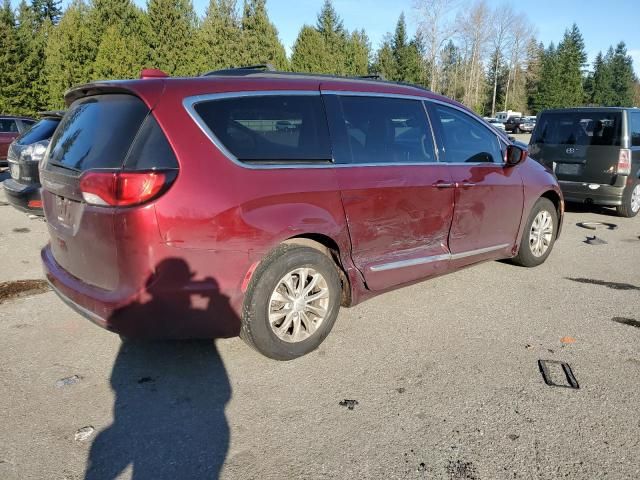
[(445, 375)]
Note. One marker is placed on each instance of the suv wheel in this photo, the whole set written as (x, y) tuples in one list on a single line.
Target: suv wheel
[(630, 201), (518, 130), (291, 303), (539, 234)]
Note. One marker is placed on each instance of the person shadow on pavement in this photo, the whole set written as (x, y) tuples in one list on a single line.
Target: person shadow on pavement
[(168, 419)]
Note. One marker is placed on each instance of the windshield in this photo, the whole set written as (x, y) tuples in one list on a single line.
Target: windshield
[(43, 130)]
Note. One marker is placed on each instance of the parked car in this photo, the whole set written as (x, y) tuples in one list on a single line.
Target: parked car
[(595, 154), (517, 125), (504, 116), (25, 153), (173, 213), (528, 124), (496, 123), (10, 129)]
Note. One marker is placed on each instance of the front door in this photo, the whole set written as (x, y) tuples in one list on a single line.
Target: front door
[(397, 199), (488, 196)]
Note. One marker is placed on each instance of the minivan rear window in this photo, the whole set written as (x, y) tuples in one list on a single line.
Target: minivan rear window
[(97, 132), (579, 128), (273, 129), (40, 131)]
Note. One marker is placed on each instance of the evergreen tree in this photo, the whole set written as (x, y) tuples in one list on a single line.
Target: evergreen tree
[(47, 10), (357, 54), (219, 37), (9, 58), (622, 77), (600, 86), (172, 26), (309, 53), (29, 74), (534, 59), (385, 63), (259, 40), (451, 66), (550, 91), (69, 53), (571, 59), (330, 26)]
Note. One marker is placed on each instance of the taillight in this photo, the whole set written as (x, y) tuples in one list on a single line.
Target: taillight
[(123, 189), (624, 162)]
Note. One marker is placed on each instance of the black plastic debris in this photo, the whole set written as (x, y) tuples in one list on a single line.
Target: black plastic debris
[(146, 380), (594, 225), (627, 321), (571, 381), (64, 382), (612, 285), (401, 389), (595, 241), (350, 404), (422, 467)]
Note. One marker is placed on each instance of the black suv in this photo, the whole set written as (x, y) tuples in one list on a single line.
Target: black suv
[(23, 188), (594, 153)]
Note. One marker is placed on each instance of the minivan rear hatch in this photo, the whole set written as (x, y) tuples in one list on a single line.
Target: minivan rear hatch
[(580, 146), (96, 134)]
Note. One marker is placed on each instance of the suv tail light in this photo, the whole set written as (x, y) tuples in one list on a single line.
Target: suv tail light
[(624, 162), (124, 189)]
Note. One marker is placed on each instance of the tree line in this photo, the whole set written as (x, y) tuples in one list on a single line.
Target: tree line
[(488, 59)]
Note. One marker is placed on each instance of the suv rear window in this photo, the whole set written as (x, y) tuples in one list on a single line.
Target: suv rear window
[(97, 132), (43, 130), (275, 128), (579, 128)]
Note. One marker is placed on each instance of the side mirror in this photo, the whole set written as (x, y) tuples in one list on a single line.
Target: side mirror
[(515, 155)]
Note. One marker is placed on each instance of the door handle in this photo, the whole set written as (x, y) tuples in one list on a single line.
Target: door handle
[(443, 185)]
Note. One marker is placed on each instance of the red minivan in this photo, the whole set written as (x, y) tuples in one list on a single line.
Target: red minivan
[(257, 203)]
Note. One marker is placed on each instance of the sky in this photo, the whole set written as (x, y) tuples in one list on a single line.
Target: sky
[(602, 22)]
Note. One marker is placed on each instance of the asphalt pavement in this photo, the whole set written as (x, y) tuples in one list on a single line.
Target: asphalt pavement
[(445, 375)]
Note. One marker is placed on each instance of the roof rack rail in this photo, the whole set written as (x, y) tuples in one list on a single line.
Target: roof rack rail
[(269, 70), (264, 67)]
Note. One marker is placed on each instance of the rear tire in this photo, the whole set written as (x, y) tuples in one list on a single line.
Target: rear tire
[(539, 234), (630, 201), (282, 318)]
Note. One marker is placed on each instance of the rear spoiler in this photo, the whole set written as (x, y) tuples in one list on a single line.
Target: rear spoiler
[(52, 114), (148, 90)]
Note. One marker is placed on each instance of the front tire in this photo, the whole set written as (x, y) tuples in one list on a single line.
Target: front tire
[(291, 303), (630, 201), (539, 235)]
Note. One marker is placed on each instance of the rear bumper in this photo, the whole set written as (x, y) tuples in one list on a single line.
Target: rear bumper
[(19, 195), (155, 310), (581, 192)]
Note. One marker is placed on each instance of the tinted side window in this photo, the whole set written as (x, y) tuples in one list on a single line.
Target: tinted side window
[(40, 131), (579, 128), (275, 128), (465, 139), (151, 150), (97, 132), (384, 130), (8, 126), (634, 128)]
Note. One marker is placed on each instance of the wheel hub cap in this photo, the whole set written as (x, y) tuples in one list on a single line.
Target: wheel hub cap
[(298, 305), (635, 199), (541, 233)]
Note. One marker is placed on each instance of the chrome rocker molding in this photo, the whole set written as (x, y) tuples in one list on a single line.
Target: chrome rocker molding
[(435, 258)]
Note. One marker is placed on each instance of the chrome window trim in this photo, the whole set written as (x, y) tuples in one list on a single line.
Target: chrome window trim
[(189, 104), (436, 258)]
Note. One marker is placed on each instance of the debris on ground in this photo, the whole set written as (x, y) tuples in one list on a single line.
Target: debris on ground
[(21, 230), (567, 340), (422, 467), (22, 288), (460, 470), (612, 285), (569, 378), (400, 390), (83, 434), (595, 241), (594, 225), (513, 436), (63, 382), (627, 321), (350, 404)]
